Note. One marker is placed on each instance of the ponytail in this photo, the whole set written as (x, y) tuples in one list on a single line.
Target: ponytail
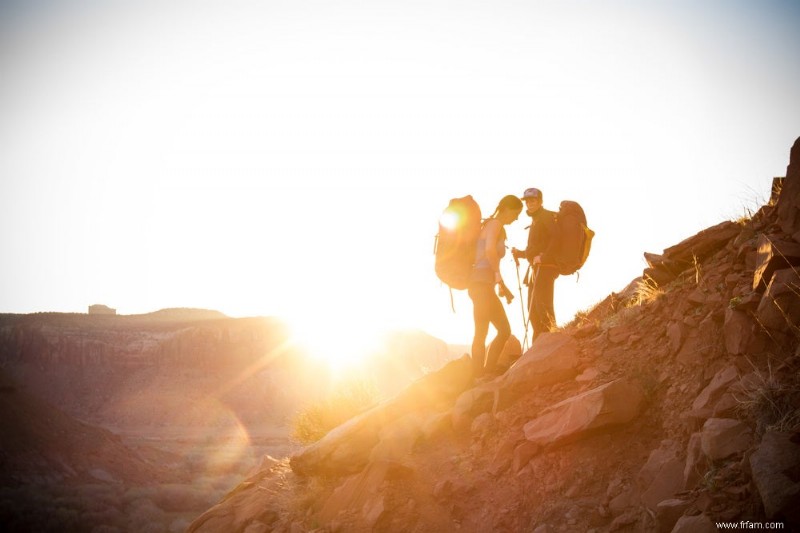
[(508, 202)]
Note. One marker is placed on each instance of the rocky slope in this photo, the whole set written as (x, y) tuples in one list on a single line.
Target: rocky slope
[(670, 406), (40, 444)]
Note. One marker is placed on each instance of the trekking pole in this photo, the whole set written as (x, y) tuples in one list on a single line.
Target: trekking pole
[(534, 271), (522, 306)]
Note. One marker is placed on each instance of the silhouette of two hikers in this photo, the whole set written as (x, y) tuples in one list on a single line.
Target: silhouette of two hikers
[(468, 252)]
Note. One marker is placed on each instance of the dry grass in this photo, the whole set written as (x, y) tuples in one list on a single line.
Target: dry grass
[(347, 400), (647, 291), (773, 403)]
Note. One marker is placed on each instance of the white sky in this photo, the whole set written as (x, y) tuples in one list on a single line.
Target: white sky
[(292, 158)]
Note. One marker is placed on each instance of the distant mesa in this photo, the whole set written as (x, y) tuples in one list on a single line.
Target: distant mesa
[(100, 309), (186, 313)]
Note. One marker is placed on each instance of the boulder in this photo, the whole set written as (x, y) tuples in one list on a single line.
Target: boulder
[(661, 476), (773, 255), (702, 245), (661, 275), (553, 358), (723, 437), (775, 466), (614, 403), (714, 399), (779, 308)]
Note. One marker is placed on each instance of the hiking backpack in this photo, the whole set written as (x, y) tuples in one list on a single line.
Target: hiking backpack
[(575, 238), (454, 248)]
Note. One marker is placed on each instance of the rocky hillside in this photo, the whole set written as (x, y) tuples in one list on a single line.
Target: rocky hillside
[(42, 445), (670, 406)]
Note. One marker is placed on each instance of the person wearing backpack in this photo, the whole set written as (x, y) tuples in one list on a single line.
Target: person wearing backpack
[(541, 276), (484, 278)]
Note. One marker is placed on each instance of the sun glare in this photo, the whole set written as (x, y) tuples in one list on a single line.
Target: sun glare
[(449, 220), (342, 347)]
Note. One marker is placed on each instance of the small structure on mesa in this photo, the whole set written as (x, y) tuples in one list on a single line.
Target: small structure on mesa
[(100, 309)]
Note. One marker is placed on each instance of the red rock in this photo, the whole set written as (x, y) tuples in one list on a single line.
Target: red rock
[(706, 404), (703, 244), (741, 333), (723, 437), (775, 465), (661, 476), (611, 404), (779, 309), (773, 255), (553, 358), (788, 205)]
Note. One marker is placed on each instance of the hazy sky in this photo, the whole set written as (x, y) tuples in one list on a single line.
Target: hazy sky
[(292, 157)]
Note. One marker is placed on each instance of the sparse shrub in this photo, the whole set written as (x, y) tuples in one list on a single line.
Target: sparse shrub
[(647, 291), (772, 403), (347, 400)]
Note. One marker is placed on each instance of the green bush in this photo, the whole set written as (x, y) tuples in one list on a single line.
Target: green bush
[(347, 400)]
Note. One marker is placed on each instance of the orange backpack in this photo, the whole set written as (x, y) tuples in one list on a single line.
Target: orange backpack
[(454, 248)]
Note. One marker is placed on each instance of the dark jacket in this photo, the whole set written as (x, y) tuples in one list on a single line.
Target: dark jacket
[(540, 234)]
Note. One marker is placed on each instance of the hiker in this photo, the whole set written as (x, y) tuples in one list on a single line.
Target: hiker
[(484, 278), (541, 277)]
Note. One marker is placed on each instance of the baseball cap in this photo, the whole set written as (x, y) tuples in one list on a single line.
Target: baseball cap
[(531, 193)]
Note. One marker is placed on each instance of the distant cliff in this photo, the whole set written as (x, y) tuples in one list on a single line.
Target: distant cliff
[(184, 367), (150, 369)]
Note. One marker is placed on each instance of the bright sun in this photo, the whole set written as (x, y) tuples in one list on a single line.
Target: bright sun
[(343, 344)]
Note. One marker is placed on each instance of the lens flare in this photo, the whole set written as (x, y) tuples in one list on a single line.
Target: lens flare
[(449, 220)]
